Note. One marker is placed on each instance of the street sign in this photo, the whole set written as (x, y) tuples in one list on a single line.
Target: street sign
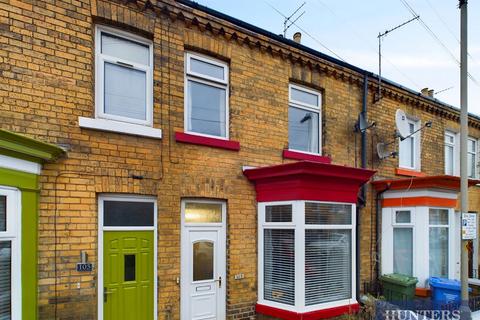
[(469, 226)]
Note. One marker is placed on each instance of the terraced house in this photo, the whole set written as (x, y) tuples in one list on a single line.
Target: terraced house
[(161, 160)]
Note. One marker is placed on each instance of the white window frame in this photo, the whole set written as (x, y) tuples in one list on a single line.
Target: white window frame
[(298, 224), (421, 251), (475, 158), (101, 228), (207, 80), (13, 234), (100, 60), (448, 226), (404, 225), (417, 152), (308, 107), (455, 151)]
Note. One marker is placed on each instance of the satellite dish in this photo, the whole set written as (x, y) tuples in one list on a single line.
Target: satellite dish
[(382, 151), (362, 122), (401, 122), (362, 125)]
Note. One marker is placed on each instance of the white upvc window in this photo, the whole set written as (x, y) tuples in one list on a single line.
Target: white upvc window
[(123, 77), (206, 96), (438, 220), (304, 120), (472, 157), (306, 255), (450, 149), (409, 148), (403, 242), (10, 269)]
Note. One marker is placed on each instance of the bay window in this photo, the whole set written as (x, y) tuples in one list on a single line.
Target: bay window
[(206, 96), (306, 256), (304, 120)]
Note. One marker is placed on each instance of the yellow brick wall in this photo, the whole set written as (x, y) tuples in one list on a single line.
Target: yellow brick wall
[(46, 83)]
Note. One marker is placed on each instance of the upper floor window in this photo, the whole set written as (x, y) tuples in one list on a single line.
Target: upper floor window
[(304, 120), (206, 96), (124, 76), (409, 148), (472, 158), (450, 154)]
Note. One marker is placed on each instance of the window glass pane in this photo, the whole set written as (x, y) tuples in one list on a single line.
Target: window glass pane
[(280, 213), (450, 139), (3, 213), (5, 279), (203, 260), (471, 146), (303, 132), (198, 212), (407, 153), (125, 91), (327, 213), (402, 217), (403, 251), (128, 214), (471, 164), (328, 266), (449, 160), (129, 267), (304, 97), (207, 109), (438, 216), (125, 49), (207, 69), (438, 261), (279, 266)]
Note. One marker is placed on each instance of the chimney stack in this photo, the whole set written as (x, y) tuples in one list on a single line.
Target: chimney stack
[(424, 91), (430, 93), (297, 37)]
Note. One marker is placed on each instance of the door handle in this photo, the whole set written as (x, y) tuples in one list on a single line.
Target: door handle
[(105, 294), (219, 280)]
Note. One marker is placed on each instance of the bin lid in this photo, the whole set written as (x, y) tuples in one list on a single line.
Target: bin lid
[(400, 279), (445, 283)]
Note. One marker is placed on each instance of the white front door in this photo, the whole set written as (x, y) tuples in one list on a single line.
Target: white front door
[(203, 260)]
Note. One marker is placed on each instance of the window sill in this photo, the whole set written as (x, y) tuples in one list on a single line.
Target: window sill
[(119, 127), (409, 172), (317, 314), (207, 141), (296, 155)]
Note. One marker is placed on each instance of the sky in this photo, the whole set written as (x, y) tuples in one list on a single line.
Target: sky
[(348, 29)]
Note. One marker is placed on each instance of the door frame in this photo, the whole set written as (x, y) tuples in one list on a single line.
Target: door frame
[(101, 229), (221, 227), (14, 235)]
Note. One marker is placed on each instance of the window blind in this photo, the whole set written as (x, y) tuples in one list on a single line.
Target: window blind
[(327, 213), (5, 280), (278, 213), (279, 265), (328, 266), (3, 213)]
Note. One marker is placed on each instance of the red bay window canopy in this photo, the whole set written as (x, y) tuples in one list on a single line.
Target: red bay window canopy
[(306, 180)]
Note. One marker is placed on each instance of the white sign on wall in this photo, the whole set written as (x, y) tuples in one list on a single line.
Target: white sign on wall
[(469, 226)]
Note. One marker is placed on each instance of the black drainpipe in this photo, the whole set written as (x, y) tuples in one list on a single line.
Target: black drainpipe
[(363, 191), (377, 230)]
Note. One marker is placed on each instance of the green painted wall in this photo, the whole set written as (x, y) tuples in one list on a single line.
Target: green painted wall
[(28, 185)]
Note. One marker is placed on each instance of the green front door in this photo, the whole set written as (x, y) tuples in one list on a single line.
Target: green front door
[(128, 275)]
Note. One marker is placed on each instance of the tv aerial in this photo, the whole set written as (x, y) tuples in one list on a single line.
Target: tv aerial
[(403, 132)]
